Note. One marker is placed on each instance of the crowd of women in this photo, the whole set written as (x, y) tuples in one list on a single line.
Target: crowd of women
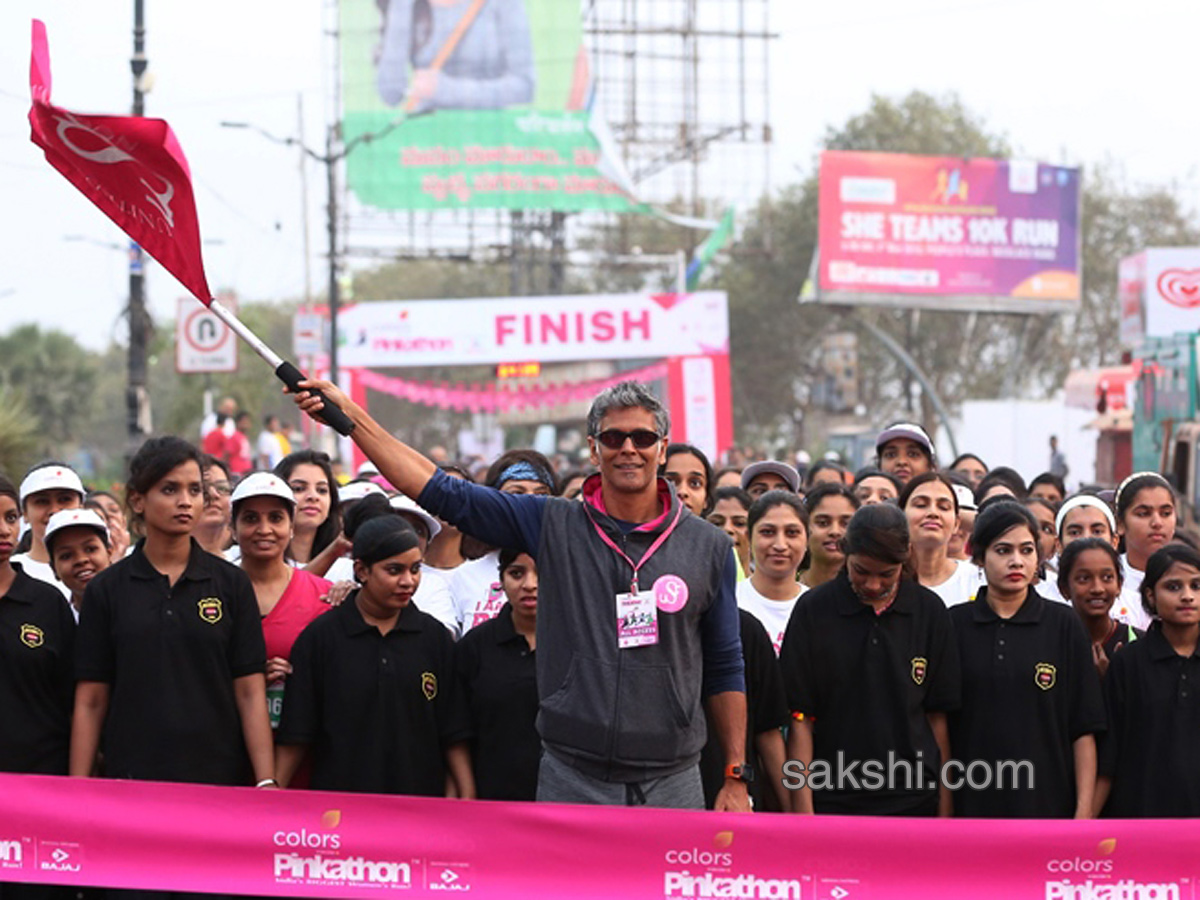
[(290, 631)]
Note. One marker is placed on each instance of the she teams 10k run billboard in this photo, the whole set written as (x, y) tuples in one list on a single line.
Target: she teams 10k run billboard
[(948, 233)]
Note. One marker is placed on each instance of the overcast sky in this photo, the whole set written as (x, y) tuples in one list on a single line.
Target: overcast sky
[(1067, 81)]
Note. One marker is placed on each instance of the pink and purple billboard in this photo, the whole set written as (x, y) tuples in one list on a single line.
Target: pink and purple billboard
[(948, 233)]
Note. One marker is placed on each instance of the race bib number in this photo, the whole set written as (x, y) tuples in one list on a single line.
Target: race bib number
[(637, 620), (275, 702)]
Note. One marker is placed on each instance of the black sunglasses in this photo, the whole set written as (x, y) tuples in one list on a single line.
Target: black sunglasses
[(614, 438)]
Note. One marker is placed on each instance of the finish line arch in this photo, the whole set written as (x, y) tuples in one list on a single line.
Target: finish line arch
[(686, 334)]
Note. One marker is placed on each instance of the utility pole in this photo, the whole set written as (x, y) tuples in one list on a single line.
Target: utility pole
[(330, 159), (331, 213), (137, 402)]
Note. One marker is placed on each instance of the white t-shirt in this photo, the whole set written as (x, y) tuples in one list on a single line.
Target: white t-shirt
[(269, 446), (962, 586), (773, 614), (433, 597), (342, 569), (475, 587), (1128, 608), (1048, 589), (41, 571), (1048, 586)]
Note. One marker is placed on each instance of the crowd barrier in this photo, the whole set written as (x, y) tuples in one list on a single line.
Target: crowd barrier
[(313, 844)]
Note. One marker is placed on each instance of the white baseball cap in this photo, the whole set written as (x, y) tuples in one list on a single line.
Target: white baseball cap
[(263, 484), (407, 504), (48, 478), (966, 497), (909, 431), (71, 518), (356, 490), (367, 468)]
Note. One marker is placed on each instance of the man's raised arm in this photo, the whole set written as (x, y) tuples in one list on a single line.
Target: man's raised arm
[(408, 470), (502, 520)]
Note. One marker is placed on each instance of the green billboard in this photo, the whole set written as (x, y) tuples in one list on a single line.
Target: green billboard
[(472, 104)]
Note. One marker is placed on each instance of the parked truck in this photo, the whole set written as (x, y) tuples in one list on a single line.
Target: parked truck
[(1166, 433)]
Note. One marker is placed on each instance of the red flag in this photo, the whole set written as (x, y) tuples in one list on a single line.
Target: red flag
[(131, 167)]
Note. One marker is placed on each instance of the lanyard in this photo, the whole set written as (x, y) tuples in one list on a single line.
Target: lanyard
[(633, 589)]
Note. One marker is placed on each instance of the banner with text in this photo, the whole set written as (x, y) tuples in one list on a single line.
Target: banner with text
[(944, 232), (472, 105), (314, 844), (391, 334)]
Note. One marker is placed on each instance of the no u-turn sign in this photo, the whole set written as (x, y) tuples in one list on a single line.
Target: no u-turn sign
[(203, 343)]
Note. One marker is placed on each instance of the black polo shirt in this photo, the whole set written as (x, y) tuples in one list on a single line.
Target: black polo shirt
[(37, 680), (1030, 690), (1122, 636), (378, 711), (766, 710), (868, 681), (170, 655), (1153, 699), (497, 674)]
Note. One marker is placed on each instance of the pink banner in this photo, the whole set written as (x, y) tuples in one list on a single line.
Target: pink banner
[(488, 398), (314, 844)]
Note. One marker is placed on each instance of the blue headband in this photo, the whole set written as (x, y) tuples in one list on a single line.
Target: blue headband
[(524, 471)]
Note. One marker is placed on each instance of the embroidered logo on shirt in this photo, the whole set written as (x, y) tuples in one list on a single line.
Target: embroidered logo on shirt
[(210, 610), (1045, 676), (32, 636), (919, 665), (429, 685)]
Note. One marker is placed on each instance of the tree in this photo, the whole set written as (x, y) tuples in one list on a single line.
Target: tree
[(18, 435), (55, 378), (1118, 221), (776, 341)]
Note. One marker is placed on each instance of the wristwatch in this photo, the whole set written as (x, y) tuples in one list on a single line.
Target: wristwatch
[(744, 773)]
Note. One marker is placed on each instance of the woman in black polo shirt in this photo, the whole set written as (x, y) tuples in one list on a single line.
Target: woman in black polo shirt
[(1030, 694), (372, 693), (497, 674), (870, 670), (1152, 692), (170, 655), (37, 682), (1089, 576)]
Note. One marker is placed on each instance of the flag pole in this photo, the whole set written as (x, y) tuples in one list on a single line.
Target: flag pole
[(284, 370)]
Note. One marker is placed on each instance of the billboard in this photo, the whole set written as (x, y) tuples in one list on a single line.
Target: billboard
[(391, 334), (476, 104), (944, 232), (1159, 293)]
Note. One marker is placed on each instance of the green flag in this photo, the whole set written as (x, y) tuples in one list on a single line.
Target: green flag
[(706, 251)]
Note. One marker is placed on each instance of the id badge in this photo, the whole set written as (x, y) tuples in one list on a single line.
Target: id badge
[(637, 620)]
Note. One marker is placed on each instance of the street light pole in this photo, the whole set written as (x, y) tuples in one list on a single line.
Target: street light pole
[(137, 401), (331, 212), (329, 160)]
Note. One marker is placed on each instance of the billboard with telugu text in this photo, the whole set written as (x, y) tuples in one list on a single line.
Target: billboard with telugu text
[(948, 232), (474, 104)]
